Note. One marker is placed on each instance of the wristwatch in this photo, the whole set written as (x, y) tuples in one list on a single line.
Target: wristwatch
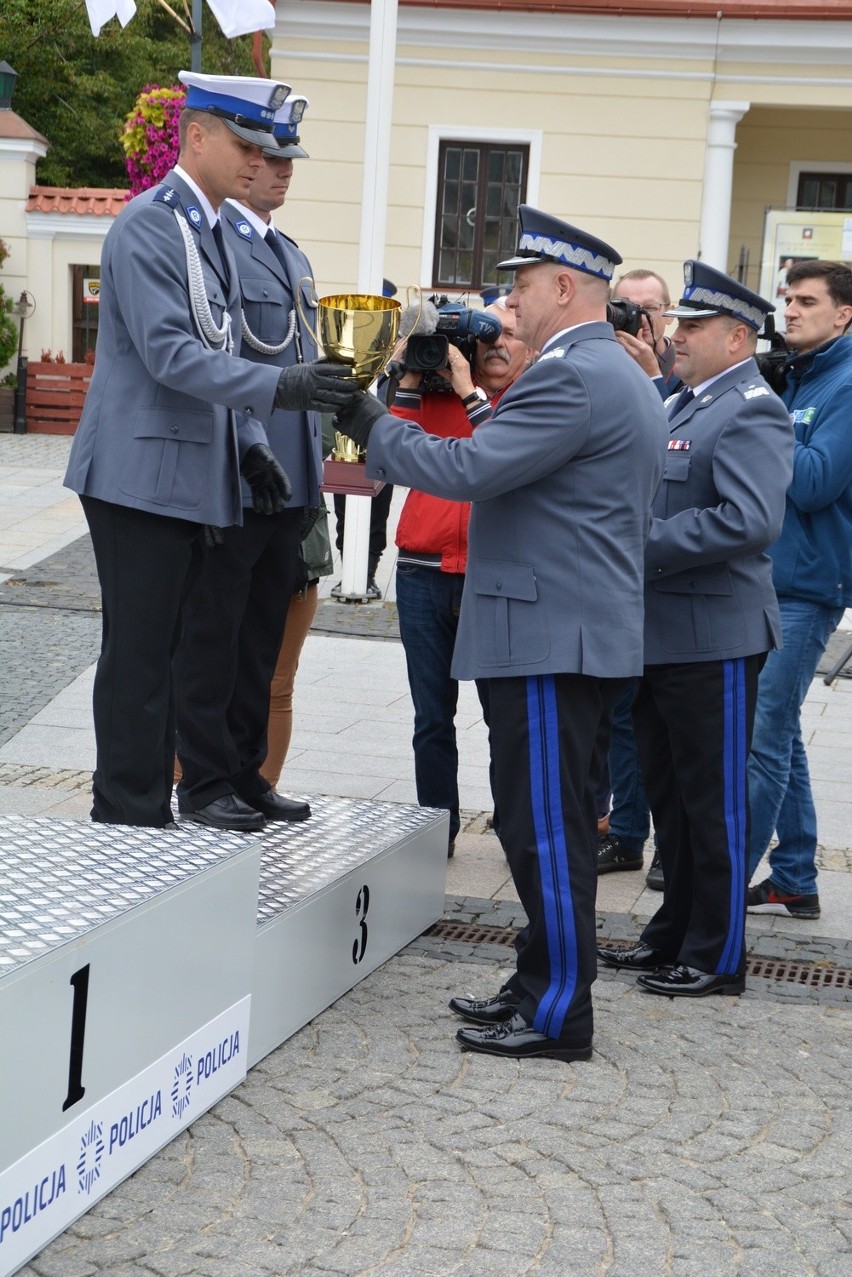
[(477, 395)]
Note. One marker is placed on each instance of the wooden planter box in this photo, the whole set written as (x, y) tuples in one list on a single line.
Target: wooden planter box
[(55, 397)]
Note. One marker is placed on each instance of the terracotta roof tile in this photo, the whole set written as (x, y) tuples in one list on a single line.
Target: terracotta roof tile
[(98, 200)]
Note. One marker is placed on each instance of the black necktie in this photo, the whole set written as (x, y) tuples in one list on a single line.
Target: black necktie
[(220, 244), (686, 396), (275, 244)]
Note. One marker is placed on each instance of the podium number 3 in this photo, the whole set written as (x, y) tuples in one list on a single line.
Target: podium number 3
[(76, 1090), (362, 904)]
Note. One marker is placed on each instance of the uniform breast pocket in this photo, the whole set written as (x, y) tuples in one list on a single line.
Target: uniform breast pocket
[(511, 627), (168, 457), (267, 308)]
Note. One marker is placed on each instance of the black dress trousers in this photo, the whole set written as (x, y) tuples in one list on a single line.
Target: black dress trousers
[(145, 565), (549, 738), (233, 625), (693, 725)]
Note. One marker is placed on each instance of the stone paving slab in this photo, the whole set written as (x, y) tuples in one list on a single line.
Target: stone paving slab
[(704, 1140)]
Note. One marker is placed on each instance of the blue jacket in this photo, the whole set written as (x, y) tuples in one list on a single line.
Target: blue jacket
[(812, 558)]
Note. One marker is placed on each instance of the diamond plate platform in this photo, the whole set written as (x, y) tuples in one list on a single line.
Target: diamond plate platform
[(338, 895), (126, 966), (143, 971)]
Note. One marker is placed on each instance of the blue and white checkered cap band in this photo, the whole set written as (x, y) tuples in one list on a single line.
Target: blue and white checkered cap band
[(576, 255), (699, 297)]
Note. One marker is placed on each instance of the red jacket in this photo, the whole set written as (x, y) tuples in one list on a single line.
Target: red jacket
[(430, 525)]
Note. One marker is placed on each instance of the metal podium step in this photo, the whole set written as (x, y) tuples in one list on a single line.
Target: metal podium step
[(338, 895), (126, 960), (143, 971)]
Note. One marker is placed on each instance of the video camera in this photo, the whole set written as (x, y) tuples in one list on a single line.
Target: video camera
[(626, 317), (427, 353)]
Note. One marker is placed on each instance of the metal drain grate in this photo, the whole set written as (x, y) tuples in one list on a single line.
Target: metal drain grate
[(808, 975)]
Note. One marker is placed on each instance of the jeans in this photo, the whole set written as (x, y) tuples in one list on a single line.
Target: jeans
[(428, 603), (779, 783), (630, 818)]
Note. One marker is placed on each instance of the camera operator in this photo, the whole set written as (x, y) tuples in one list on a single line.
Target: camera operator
[(640, 325), (432, 541)]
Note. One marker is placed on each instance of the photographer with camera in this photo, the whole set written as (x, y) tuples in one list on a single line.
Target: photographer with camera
[(637, 311), (448, 401)]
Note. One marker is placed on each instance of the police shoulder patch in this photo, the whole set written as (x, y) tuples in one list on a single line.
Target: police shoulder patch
[(167, 195), (754, 392), (558, 352), (245, 229)]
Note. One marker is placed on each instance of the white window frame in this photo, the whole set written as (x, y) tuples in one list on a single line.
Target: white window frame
[(462, 133)]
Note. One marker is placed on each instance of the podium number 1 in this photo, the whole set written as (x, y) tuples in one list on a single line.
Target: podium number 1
[(80, 984)]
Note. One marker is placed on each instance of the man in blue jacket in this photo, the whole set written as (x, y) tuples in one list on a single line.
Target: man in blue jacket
[(812, 573)]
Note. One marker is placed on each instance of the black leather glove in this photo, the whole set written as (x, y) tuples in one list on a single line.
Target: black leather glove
[(323, 386), (270, 487), (212, 536), (358, 418)]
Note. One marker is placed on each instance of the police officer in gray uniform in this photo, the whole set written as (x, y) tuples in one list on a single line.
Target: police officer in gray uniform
[(169, 424), (233, 621), (710, 618), (561, 479)]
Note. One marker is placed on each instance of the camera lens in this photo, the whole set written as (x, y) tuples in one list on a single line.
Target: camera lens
[(426, 353)]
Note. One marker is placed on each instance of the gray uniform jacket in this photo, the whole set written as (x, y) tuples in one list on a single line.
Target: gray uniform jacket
[(158, 432), (269, 289), (709, 593), (561, 478)]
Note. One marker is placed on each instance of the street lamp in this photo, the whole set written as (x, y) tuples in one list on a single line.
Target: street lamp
[(7, 86), (23, 308)]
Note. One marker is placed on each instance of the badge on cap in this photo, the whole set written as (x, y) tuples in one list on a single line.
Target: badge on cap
[(278, 96), (245, 229), (687, 273), (193, 214)]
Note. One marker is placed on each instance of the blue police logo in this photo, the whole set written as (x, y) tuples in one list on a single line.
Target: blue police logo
[(687, 273), (91, 1155), (244, 229), (182, 1086), (278, 96), (193, 215)]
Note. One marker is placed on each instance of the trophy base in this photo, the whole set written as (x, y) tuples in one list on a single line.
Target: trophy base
[(349, 477)]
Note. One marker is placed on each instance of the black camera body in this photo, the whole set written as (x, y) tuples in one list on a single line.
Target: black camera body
[(626, 317), (429, 352)]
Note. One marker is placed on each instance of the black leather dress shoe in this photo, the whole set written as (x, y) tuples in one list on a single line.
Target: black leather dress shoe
[(639, 957), (489, 1011), (276, 807), (516, 1040), (685, 982), (227, 812)]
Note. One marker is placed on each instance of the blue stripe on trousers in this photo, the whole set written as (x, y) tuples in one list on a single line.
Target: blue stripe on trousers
[(551, 848), (735, 759)]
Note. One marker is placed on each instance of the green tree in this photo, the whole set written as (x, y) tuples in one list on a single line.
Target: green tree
[(77, 90)]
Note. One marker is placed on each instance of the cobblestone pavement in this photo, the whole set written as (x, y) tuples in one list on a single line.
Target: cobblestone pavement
[(708, 1140)]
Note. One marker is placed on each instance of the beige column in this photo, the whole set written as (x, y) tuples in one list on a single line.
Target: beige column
[(715, 228)]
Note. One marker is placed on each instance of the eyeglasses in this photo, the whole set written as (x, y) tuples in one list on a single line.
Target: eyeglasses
[(654, 307)]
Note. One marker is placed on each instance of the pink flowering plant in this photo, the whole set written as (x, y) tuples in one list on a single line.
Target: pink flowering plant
[(150, 136)]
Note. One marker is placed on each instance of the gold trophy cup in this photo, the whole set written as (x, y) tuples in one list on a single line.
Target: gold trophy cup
[(359, 329)]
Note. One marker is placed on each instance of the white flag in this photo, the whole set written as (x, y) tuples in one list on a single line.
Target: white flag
[(240, 17), (100, 12)]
